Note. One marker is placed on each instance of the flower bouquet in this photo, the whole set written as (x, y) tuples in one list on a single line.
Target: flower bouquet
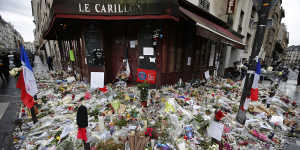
[(15, 72)]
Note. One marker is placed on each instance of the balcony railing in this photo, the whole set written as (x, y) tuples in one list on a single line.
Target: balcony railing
[(204, 4)]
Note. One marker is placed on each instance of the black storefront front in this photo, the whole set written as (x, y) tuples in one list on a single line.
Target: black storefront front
[(163, 40)]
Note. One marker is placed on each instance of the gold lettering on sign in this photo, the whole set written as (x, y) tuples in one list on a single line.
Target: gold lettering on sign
[(97, 8), (120, 10), (110, 8), (86, 8), (115, 7), (103, 10), (80, 7)]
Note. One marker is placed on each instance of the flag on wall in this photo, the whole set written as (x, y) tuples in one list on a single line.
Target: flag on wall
[(254, 89), (26, 82)]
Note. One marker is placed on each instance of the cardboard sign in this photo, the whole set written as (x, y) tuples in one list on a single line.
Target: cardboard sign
[(146, 75), (215, 130), (97, 80)]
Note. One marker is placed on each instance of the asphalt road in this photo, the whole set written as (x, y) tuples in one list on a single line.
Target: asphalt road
[(9, 107)]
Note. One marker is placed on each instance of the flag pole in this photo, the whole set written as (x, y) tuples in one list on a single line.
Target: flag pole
[(263, 11)]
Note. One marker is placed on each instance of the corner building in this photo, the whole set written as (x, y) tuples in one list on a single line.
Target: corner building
[(163, 40)]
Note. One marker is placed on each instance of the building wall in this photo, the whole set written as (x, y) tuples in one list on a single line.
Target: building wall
[(293, 55), (29, 46), (218, 8), (243, 19), (8, 36), (41, 12), (271, 33), (243, 26)]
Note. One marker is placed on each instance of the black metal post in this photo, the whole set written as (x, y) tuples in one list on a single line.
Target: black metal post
[(258, 41)]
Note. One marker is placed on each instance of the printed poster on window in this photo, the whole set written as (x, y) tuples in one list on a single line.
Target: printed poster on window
[(146, 75)]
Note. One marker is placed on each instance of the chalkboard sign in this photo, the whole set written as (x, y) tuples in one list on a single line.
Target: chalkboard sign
[(94, 53)]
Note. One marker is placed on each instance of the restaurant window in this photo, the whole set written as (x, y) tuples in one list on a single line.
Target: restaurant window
[(94, 53)]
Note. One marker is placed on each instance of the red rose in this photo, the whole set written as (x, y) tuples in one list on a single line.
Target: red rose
[(219, 115), (104, 89)]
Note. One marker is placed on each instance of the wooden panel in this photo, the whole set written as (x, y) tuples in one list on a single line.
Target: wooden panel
[(165, 48), (133, 53), (115, 48), (169, 78)]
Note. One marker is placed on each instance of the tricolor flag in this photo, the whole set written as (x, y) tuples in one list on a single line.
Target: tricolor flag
[(254, 89), (26, 82)]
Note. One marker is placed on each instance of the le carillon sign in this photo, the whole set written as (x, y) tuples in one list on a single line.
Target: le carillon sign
[(110, 8), (113, 7)]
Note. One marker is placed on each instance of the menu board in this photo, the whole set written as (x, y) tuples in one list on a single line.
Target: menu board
[(94, 52)]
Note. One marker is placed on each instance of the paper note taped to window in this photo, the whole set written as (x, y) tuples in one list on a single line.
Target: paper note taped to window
[(148, 51)]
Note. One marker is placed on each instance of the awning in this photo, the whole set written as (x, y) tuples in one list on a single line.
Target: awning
[(213, 31), (57, 19)]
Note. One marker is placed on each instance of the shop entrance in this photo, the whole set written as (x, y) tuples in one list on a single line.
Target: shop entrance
[(109, 43), (120, 43)]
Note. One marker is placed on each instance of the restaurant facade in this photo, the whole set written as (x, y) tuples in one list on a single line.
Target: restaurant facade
[(163, 40)]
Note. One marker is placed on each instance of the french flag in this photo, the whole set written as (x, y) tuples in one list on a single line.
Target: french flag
[(26, 82), (254, 89)]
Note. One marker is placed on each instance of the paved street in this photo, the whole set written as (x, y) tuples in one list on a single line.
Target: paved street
[(290, 88), (10, 103), (9, 107)]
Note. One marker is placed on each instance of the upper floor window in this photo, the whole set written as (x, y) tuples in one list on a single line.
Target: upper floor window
[(204, 4), (240, 28)]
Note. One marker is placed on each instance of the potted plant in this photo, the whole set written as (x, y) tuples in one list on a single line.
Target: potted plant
[(144, 88)]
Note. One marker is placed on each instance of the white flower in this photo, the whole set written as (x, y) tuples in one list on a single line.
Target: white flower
[(270, 68), (19, 69), (13, 73)]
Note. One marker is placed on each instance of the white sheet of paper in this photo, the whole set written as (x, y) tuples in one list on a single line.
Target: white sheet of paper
[(207, 76), (215, 130), (148, 51), (132, 44), (152, 59), (189, 61), (97, 80), (71, 79), (277, 119), (132, 127), (181, 146)]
